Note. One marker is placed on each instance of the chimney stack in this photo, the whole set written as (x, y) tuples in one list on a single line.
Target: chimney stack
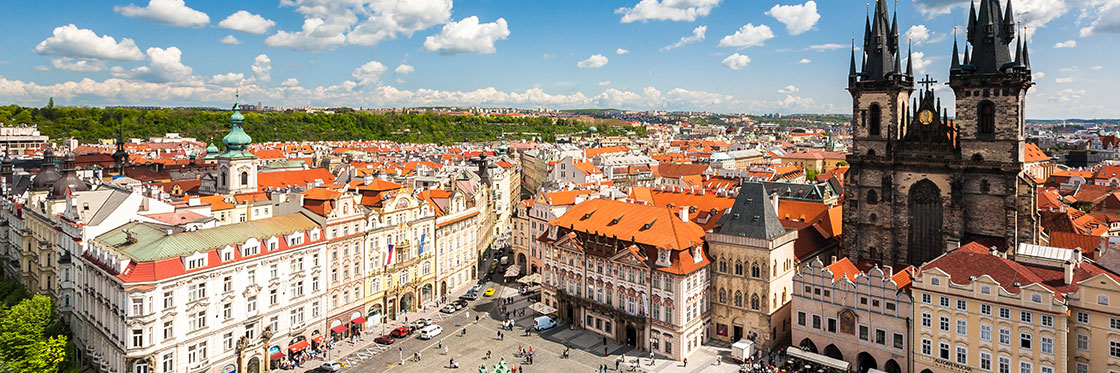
[(684, 213), (1068, 269), (775, 200)]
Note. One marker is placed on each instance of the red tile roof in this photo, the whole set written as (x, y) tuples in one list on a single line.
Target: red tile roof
[(1031, 153), (302, 178)]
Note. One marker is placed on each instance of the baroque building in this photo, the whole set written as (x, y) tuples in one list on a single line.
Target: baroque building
[(921, 184)]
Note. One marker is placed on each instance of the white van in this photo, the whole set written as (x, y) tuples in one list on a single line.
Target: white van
[(544, 323), (430, 331)]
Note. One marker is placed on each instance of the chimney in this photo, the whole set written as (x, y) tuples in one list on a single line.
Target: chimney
[(775, 200), (684, 213), (194, 201), (1068, 269), (832, 261)]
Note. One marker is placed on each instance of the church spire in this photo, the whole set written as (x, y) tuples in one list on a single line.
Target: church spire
[(956, 66), (990, 37), (967, 55), (852, 65), (1026, 52), (910, 58), (880, 46)]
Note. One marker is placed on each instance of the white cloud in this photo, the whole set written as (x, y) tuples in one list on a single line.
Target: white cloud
[(227, 79), (369, 74), (736, 61), (468, 36), (748, 36), (1071, 69), (797, 18), (404, 69), (667, 10), (1039, 75), (789, 89), (937, 7), (1069, 95), (921, 62), (168, 12), (1066, 44), (262, 67), (1065, 80), (1035, 14), (604, 83), (392, 17), (548, 56), (247, 22), (826, 47), (290, 82), (1107, 18), (230, 39), (921, 35), (1098, 68), (80, 65), (317, 35), (164, 66), (593, 62), (697, 35), (804, 61), (621, 51), (71, 41)]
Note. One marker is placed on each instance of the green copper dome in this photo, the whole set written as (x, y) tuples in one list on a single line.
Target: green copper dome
[(212, 149), (237, 141)]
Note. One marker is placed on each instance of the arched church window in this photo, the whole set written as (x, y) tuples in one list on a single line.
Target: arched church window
[(986, 118), (754, 302), (755, 271), (876, 120), (873, 218), (985, 186), (722, 265), (738, 299), (872, 197), (977, 157), (722, 296), (244, 178), (738, 268)]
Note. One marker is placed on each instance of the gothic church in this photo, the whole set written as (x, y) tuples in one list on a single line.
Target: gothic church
[(921, 183)]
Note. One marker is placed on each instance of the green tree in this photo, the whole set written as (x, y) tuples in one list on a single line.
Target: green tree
[(24, 344)]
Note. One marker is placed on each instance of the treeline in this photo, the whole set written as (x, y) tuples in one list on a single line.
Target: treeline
[(90, 124)]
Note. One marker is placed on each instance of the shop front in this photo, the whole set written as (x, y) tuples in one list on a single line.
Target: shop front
[(356, 321), (275, 357)]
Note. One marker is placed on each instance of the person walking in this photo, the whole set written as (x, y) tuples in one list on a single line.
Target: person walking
[(487, 354), (686, 361)]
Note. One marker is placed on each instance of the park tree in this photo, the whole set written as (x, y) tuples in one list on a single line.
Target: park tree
[(25, 345)]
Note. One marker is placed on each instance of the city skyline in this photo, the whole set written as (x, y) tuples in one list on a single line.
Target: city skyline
[(700, 55)]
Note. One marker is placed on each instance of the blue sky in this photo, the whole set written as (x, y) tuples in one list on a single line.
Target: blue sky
[(724, 56)]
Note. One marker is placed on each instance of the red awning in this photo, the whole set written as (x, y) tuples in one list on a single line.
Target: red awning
[(318, 339), (299, 346), (358, 320), (277, 355), (339, 329)]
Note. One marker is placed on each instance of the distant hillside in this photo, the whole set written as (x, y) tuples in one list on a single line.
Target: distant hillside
[(90, 124)]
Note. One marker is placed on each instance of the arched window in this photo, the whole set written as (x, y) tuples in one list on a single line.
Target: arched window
[(872, 197), (986, 118), (754, 302), (244, 178), (876, 120), (985, 186), (738, 268), (755, 271), (141, 366), (738, 299), (722, 265), (722, 296)]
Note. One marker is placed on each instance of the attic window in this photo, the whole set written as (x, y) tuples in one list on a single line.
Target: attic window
[(615, 220), (649, 225), (587, 216), (755, 219)]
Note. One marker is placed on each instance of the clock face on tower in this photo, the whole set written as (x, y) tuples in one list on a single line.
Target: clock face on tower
[(925, 117)]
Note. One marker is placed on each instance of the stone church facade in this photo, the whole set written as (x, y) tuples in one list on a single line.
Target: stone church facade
[(921, 184)]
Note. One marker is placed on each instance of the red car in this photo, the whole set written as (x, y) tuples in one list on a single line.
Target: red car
[(385, 340), (400, 332)]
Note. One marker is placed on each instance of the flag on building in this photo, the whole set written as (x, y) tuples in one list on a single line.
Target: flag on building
[(389, 258)]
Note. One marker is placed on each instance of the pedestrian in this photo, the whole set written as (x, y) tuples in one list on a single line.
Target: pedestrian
[(445, 350), (469, 315), (440, 345), (686, 361), (616, 362), (487, 354), (475, 317), (451, 363), (604, 340), (604, 350), (499, 334)]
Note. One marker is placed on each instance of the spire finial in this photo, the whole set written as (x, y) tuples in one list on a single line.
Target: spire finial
[(909, 56)]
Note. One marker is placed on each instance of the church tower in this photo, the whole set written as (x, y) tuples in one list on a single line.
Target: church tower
[(990, 88), (237, 167), (927, 184)]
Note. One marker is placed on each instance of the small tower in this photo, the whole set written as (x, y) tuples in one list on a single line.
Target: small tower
[(237, 167), (120, 157)]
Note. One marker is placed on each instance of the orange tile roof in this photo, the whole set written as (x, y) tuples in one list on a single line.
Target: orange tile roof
[(1032, 153), (566, 197), (586, 167), (844, 268), (459, 219), (593, 152), (216, 203), (302, 178), (268, 154), (649, 225)]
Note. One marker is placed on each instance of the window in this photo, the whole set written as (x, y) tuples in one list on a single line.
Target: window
[(1025, 367), (1037, 298), (252, 276), (927, 347), (962, 355), (1113, 348), (168, 299), (943, 324), (274, 323), (986, 121), (227, 283), (926, 298), (943, 301), (198, 321), (943, 351), (196, 353), (227, 311), (1046, 369), (1047, 321), (1005, 313), (927, 321), (1047, 345), (251, 304), (137, 338), (249, 330), (168, 362), (899, 340), (227, 341), (985, 332), (1025, 340), (1102, 300), (962, 326), (137, 306), (1004, 336), (196, 291), (272, 297), (880, 336), (1082, 368), (986, 309), (985, 361), (1083, 342), (876, 120), (831, 323), (168, 329), (1004, 365), (1026, 317), (863, 332), (962, 305), (1082, 317)]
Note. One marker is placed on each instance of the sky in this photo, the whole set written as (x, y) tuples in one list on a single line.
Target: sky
[(728, 56)]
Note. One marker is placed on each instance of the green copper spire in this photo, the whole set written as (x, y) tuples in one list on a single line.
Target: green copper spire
[(237, 141)]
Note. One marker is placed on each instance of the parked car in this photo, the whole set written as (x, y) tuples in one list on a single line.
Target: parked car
[(544, 322), (385, 339), (430, 331), (478, 287), (421, 323), (400, 332), (489, 292), (450, 308), (469, 296), (460, 303), (331, 366)]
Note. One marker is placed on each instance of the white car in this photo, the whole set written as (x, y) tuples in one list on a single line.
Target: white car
[(331, 366), (450, 308)]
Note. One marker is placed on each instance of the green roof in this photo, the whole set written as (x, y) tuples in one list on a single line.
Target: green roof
[(153, 243)]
